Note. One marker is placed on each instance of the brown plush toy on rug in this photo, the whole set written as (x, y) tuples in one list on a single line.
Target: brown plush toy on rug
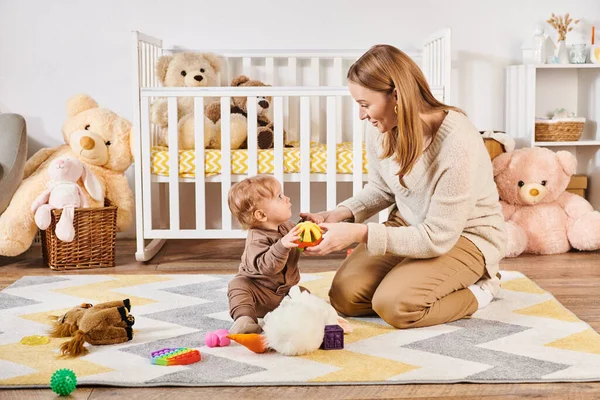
[(105, 323)]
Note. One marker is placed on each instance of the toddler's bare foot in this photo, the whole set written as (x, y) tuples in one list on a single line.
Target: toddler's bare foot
[(245, 324)]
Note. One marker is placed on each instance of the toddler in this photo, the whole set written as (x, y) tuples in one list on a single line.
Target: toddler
[(269, 265)]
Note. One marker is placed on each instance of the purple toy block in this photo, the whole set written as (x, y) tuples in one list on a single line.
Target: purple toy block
[(334, 338)]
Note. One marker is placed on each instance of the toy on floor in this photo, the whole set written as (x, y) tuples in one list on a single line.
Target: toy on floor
[(104, 323), (310, 235), (175, 356), (63, 382), (542, 218), (217, 338), (296, 327), (35, 340), (334, 338), (64, 193)]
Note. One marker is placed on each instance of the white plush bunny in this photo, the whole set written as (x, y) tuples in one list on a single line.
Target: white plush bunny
[(297, 326), (64, 192)]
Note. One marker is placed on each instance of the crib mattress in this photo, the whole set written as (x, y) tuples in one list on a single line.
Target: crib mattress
[(239, 160)]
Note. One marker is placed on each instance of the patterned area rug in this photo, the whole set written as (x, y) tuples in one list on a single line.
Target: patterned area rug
[(523, 336)]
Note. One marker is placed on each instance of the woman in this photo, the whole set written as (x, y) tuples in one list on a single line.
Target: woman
[(436, 258)]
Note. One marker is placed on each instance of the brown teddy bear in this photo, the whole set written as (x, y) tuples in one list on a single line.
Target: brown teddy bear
[(100, 139), (105, 323), (239, 121), (185, 70)]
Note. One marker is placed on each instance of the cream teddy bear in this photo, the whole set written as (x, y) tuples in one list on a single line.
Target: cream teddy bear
[(185, 70), (541, 217), (100, 139)]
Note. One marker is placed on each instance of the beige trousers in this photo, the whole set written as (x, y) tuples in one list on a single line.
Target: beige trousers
[(405, 292)]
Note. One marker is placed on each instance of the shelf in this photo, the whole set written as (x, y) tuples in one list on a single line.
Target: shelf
[(566, 66), (563, 144)]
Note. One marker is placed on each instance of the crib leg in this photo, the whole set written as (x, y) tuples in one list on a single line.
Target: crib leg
[(146, 253)]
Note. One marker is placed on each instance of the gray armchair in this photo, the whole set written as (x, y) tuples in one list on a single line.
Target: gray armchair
[(13, 154)]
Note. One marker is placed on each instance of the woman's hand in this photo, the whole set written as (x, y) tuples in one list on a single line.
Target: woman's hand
[(336, 215), (337, 237)]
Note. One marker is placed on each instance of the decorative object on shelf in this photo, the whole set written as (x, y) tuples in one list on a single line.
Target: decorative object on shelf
[(561, 24), (578, 53), (539, 45), (563, 126), (595, 49)]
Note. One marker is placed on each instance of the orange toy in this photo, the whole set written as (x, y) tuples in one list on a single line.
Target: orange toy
[(252, 341), (310, 235)]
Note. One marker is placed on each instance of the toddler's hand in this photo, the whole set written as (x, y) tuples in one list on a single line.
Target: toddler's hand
[(288, 240)]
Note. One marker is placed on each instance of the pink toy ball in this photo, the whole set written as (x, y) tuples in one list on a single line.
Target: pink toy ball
[(217, 338)]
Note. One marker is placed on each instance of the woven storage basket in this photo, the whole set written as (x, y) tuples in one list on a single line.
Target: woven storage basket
[(94, 243), (559, 130)]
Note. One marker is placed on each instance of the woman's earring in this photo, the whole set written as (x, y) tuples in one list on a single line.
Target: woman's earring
[(396, 109)]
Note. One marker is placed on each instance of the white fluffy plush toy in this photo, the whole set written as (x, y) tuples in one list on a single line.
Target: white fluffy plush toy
[(296, 327), (64, 193)]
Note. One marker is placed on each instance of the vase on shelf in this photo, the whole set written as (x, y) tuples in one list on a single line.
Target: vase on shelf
[(562, 53)]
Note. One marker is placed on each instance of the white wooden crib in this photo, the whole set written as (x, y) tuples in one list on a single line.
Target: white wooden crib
[(310, 101)]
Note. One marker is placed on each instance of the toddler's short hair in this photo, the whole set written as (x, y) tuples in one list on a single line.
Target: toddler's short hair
[(245, 196)]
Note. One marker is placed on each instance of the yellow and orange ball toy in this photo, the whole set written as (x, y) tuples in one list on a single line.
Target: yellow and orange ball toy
[(310, 235)]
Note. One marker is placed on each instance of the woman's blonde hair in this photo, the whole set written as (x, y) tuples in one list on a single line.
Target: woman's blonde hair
[(384, 68)]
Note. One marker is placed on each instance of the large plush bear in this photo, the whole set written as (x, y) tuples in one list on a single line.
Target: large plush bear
[(100, 139), (541, 217), (188, 69)]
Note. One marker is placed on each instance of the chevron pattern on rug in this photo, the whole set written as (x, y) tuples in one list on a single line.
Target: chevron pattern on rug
[(524, 335)]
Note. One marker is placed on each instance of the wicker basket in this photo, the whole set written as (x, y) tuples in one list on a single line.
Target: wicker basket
[(559, 130), (94, 243)]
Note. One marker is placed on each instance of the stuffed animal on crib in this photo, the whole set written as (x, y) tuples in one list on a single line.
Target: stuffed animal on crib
[(100, 140), (105, 323), (296, 327), (541, 217), (189, 69), (239, 119), (64, 193)]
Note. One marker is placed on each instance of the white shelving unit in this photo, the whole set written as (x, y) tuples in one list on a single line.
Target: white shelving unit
[(537, 90)]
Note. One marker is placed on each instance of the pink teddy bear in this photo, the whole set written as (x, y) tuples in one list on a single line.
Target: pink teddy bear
[(63, 192), (541, 217)]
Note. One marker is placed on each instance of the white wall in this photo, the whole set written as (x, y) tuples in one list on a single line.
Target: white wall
[(50, 50)]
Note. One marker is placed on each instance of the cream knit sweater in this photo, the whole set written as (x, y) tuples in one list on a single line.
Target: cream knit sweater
[(449, 192)]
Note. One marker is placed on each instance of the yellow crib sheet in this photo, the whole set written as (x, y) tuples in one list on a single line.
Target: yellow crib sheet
[(239, 160)]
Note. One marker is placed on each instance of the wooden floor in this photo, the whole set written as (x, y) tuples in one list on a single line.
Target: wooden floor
[(574, 278)]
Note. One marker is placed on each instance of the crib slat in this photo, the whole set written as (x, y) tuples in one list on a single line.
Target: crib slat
[(149, 72), (173, 165), (331, 152), (338, 81), (291, 113), (357, 144), (225, 161), (199, 151), (270, 71), (278, 125), (145, 162), (436, 48), (247, 66), (315, 110), (305, 137), (252, 133)]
